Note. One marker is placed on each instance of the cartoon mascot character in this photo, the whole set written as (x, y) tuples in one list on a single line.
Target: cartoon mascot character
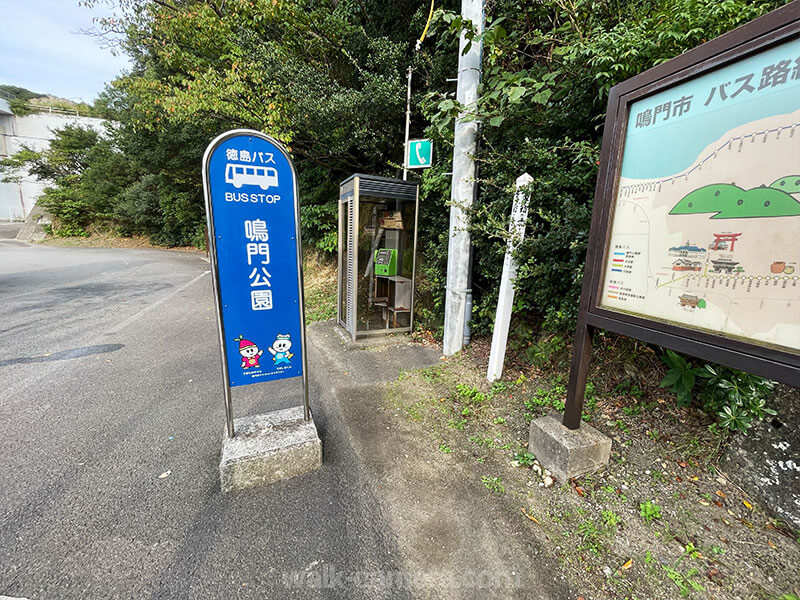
[(280, 349), (251, 353)]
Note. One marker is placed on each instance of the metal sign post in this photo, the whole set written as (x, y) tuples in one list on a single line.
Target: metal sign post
[(253, 212)]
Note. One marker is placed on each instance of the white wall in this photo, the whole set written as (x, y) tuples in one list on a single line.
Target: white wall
[(34, 131)]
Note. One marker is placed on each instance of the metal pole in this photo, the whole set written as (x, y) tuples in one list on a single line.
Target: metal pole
[(464, 184), (408, 125), (301, 295), (218, 301)]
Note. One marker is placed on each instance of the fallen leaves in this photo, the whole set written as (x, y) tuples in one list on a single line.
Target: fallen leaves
[(578, 489), (628, 564), (531, 517), (747, 505), (715, 575)]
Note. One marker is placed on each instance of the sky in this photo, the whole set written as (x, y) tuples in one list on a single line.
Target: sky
[(42, 50)]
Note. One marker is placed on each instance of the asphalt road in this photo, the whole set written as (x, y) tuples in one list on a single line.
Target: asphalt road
[(109, 377)]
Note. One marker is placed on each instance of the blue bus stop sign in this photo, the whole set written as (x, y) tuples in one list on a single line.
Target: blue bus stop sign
[(252, 206)]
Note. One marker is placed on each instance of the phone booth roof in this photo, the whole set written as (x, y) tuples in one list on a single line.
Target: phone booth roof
[(380, 187)]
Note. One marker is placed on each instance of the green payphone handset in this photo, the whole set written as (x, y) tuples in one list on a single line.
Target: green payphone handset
[(386, 262)]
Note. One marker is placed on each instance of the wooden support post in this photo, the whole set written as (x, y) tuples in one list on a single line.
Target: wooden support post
[(578, 370)]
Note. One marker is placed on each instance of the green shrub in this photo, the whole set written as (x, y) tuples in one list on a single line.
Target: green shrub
[(735, 397), (139, 207)]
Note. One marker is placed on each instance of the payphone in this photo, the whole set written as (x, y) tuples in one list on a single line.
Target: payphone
[(386, 262)]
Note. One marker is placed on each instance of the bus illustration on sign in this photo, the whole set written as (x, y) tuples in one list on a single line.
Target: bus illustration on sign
[(239, 175)]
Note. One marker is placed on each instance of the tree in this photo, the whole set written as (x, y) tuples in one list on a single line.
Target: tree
[(548, 67), (86, 174), (327, 78)]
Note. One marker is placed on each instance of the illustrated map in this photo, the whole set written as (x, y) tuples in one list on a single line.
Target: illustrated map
[(706, 223)]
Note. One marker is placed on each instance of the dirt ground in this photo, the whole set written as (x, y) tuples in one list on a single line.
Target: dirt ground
[(661, 521), (108, 240), (448, 453)]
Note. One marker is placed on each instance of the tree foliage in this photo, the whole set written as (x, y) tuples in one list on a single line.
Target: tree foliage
[(548, 67), (86, 176), (13, 92), (327, 77)]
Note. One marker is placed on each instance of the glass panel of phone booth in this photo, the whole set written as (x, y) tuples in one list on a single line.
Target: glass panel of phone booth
[(345, 208), (386, 263)]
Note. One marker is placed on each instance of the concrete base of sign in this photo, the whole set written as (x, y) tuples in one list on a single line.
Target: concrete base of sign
[(566, 452), (268, 448)]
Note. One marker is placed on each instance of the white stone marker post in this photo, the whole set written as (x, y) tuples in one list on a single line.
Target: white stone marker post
[(505, 300)]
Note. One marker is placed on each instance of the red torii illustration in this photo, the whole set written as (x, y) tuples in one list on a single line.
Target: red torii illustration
[(724, 237)]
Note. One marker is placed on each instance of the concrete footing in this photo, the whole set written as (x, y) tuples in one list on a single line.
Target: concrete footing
[(566, 452), (267, 448)]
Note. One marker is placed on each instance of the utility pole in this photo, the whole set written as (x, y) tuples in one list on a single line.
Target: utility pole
[(408, 93), (408, 118), (464, 186)]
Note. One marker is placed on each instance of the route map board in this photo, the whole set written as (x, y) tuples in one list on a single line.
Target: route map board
[(695, 236)]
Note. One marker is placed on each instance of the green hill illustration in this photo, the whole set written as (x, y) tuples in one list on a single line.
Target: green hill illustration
[(789, 184), (729, 201)]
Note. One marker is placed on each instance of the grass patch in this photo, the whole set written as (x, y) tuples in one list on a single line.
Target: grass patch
[(319, 279)]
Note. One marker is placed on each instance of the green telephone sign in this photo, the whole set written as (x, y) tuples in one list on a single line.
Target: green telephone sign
[(419, 154)]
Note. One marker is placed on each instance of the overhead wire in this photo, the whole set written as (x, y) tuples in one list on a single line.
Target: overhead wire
[(427, 25)]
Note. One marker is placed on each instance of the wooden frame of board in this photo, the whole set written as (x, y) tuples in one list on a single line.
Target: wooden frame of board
[(775, 362)]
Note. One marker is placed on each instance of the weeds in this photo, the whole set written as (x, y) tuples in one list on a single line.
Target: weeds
[(622, 426), (628, 387), (525, 458), (542, 352), (547, 398), (596, 534), (591, 536), (494, 484), (414, 411), (736, 397), (470, 394), (686, 584), (320, 287), (649, 511), (484, 441), (457, 424), (610, 519)]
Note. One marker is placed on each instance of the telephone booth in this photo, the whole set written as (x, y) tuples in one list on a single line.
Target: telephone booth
[(377, 254)]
